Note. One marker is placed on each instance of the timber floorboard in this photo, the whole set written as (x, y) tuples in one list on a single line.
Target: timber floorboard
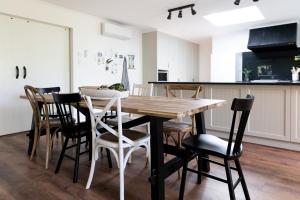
[(270, 173)]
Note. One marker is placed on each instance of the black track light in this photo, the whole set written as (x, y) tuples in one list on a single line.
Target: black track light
[(180, 14), (169, 16), (237, 2), (189, 6), (193, 11)]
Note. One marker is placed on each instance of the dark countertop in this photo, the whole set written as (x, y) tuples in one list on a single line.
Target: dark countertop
[(283, 83)]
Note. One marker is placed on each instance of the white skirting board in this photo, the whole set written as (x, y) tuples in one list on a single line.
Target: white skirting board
[(261, 141)]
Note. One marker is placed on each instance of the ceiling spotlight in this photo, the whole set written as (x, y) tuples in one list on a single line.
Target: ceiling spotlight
[(180, 14), (169, 16), (193, 11), (237, 2)]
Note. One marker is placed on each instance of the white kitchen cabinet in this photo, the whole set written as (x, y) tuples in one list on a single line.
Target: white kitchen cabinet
[(164, 55), (40, 48), (295, 114), (179, 57), (271, 114), (274, 119)]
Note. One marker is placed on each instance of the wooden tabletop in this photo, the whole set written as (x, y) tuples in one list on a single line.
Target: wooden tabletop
[(158, 106)]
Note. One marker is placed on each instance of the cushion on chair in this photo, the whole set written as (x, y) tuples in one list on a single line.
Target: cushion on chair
[(177, 126), (208, 144), (131, 134)]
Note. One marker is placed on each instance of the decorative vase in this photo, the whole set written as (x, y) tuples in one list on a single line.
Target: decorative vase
[(246, 78), (295, 77)]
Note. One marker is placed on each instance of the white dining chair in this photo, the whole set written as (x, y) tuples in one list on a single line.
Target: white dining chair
[(114, 140)]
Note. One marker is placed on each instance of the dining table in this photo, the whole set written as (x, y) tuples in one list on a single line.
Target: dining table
[(156, 110)]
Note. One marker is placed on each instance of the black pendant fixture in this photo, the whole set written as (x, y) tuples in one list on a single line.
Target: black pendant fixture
[(191, 6), (237, 2)]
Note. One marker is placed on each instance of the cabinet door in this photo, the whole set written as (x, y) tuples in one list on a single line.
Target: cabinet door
[(163, 51), (295, 114), (49, 59), (219, 119), (45, 54), (270, 115), (9, 102)]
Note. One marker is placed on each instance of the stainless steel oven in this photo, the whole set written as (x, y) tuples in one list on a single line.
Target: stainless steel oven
[(163, 75)]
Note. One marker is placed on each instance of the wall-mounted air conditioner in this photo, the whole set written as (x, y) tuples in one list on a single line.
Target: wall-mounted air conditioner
[(116, 31)]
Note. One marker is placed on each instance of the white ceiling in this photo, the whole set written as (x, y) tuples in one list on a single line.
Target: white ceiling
[(152, 14)]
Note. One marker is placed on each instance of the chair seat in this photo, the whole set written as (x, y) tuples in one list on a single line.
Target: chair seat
[(131, 134), (55, 122), (125, 118), (172, 126), (82, 129), (209, 144)]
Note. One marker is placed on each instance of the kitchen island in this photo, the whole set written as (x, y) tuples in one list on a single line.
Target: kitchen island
[(274, 119)]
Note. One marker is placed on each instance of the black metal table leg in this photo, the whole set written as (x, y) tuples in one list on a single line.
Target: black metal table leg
[(31, 136), (157, 159), (200, 126)]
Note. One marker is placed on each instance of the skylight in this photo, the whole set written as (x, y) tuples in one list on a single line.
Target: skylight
[(237, 16)]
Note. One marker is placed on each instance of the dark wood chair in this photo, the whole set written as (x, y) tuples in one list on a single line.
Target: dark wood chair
[(51, 107), (71, 127), (205, 144)]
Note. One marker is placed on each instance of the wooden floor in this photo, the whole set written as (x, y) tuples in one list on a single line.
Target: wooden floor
[(270, 173)]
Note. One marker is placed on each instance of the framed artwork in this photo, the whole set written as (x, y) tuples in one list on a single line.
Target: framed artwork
[(131, 62)]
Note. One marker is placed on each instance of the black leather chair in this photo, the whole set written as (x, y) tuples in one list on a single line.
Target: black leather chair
[(71, 127), (230, 150)]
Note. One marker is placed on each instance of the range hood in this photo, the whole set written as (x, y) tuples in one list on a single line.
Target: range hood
[(281, 37)]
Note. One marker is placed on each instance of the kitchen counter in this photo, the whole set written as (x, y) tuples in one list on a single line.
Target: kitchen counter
[(284, 83), (275, 116)]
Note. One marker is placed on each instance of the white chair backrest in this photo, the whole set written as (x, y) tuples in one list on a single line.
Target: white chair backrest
[(113, 98), (142, 89)]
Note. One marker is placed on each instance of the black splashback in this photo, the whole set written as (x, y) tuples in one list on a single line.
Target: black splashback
[(270, 65)]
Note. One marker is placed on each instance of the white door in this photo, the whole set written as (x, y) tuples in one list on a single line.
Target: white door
[(44, 51)]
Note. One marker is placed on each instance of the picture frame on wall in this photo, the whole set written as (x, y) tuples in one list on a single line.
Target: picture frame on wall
[(131, 62)]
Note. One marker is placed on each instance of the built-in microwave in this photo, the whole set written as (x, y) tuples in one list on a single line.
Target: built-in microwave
[(163, 75)]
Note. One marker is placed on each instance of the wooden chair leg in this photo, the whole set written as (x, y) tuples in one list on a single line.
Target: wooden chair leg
[(76, 167), (48, 147), (243, 182), (91, 175), (61, 155), (35, 141), (229, 179), (183, 179)]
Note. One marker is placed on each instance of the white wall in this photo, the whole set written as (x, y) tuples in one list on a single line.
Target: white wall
[(224, 50), (86, 36)]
